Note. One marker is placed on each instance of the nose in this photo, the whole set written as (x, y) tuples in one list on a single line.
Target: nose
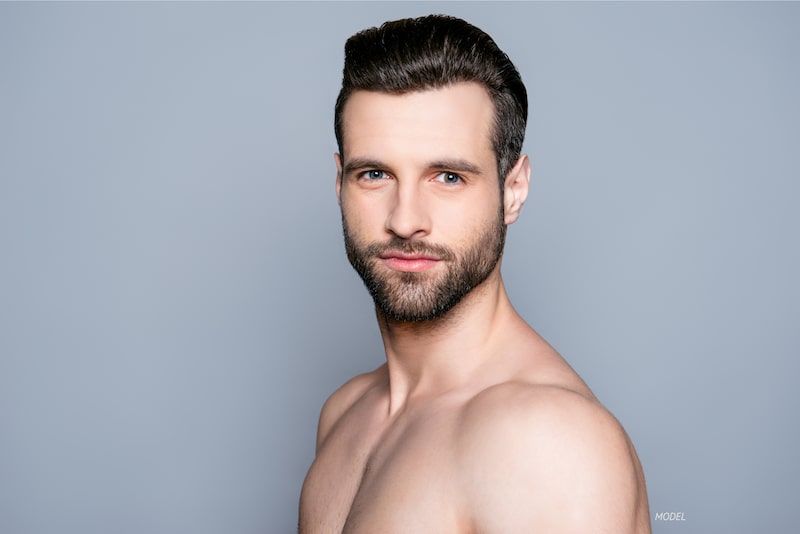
[(408, 216)]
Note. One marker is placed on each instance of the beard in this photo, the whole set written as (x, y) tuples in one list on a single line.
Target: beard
[(415, 297)]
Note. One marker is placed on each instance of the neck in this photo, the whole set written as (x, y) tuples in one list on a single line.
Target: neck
[(437, 356)]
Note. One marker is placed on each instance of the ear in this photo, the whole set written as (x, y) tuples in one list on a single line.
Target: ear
[(515, 189), (338, 160)]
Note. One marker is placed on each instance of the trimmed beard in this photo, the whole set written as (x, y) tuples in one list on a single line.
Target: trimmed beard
[(415, 297)]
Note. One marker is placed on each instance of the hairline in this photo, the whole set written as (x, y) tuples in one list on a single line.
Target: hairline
[(493, 132)]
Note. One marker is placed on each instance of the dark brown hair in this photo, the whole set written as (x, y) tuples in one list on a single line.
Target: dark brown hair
[(431, 52)]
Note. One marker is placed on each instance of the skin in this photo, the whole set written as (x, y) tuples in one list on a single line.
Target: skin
[(474, 424)]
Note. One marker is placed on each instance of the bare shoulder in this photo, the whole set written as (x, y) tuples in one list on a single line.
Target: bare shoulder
[(548, 457), (343, 399)]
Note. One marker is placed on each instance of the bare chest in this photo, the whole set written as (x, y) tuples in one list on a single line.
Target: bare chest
[(401, 478)]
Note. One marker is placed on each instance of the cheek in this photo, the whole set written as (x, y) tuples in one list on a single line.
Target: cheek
[(361, 217), (465, 218)]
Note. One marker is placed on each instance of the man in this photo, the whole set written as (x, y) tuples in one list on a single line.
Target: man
[(474, 423)]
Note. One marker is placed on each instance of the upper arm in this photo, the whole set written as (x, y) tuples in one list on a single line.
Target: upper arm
[(330, 413), (550, 460), (338, 403)]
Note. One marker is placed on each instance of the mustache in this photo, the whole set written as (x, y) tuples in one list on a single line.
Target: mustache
[(411, 247)]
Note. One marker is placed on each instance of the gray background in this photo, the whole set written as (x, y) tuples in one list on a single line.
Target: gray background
[(175, 304)]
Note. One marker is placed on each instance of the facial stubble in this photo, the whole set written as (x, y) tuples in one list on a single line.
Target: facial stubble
[(417, 297)]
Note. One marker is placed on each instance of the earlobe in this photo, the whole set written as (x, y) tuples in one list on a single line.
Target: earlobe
[(338, 160), (515, 190)]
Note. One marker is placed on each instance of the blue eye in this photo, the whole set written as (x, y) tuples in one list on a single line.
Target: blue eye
[(374, 175), (448, 178)]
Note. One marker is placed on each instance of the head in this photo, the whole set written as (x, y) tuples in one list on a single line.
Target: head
[(430, 119), (432, 52)]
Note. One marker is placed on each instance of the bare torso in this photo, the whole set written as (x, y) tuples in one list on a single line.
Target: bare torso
[(407, 472), (390, 473)]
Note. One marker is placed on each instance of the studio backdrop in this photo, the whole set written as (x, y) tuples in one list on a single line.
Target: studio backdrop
[(176, 305)]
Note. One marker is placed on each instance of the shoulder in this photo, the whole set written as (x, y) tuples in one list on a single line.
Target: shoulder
[(546, 414), (551, 458), (343, 399)]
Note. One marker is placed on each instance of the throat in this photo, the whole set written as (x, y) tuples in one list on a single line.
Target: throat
[(436, 357)]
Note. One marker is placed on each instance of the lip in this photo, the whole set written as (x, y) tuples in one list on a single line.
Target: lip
[(409, 263), (410, 257)]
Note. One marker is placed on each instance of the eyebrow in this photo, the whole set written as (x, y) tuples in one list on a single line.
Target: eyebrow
[(358, 164), (457, 165)]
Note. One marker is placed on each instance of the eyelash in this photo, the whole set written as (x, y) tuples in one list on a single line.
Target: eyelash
[(446, 173), (366, 176)]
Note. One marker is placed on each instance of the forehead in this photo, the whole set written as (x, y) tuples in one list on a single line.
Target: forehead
[(453, 121)]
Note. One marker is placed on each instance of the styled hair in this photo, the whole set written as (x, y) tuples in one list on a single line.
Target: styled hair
[(432, 52)]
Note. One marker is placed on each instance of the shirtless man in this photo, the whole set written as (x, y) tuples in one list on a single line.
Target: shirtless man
[(474, 424)]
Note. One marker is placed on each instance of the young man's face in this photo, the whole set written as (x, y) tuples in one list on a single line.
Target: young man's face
[(421, 205)]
